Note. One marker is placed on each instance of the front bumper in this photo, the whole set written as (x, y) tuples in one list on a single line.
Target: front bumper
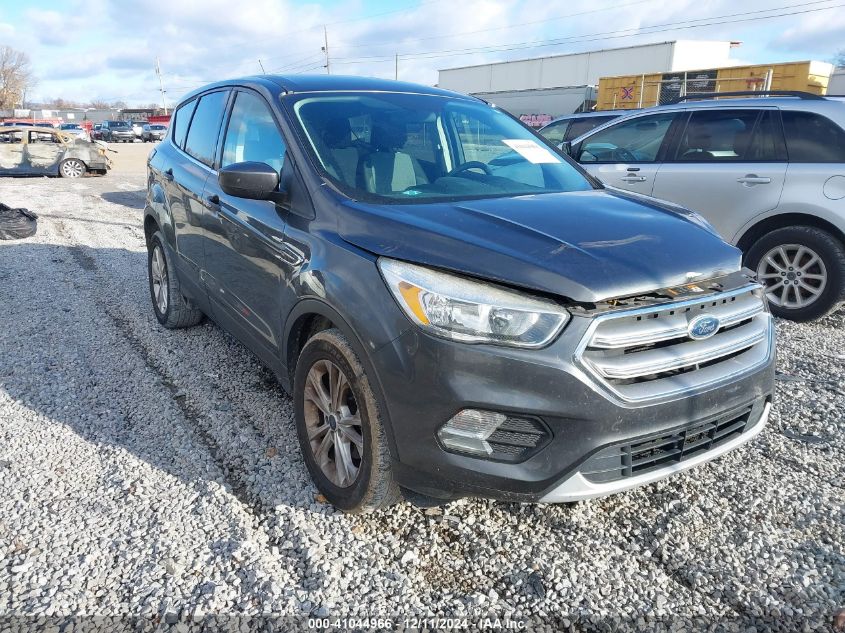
[(427, 380)]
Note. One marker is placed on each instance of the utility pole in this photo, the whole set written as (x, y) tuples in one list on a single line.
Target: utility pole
[(161, 87), (263, 72), (326, 49), (396, 66)]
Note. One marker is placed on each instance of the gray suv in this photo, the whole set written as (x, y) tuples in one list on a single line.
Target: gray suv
[(768, 173), (455, 307), (117, 132)]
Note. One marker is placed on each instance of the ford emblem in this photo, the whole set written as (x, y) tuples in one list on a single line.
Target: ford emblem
[(703, 326)]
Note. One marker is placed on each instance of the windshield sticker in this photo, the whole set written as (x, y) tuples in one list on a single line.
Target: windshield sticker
[(531, 151)]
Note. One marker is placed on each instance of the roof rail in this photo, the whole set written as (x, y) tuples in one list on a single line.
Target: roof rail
[(748, 93)]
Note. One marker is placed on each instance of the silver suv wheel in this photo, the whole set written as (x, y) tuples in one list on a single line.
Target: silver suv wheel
[(794, 275)]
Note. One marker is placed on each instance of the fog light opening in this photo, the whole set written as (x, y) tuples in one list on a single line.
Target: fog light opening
[(468, 431)]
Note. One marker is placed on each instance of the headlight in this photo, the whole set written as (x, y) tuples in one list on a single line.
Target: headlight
[(471, 311)]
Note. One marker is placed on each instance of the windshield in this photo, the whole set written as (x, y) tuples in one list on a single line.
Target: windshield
[(119, 124), (156, 127), (414, 148)]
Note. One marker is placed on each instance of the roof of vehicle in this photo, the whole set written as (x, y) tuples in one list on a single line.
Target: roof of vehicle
[(328, 83), (732, 102), (787, 103), (40, 130)]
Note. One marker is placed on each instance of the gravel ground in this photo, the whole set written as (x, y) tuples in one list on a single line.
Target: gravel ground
[(155, 473)]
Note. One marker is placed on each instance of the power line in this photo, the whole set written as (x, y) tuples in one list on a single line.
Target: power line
[(508, 26), (623, 33)]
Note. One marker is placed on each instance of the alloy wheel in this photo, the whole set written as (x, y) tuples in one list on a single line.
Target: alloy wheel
[(158, 272), (333, 423), (72, 168), (794, 275)]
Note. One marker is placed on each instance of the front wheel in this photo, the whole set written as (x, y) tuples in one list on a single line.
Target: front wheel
[(72, 168), (340, 427), (172, 309), (802, 269)]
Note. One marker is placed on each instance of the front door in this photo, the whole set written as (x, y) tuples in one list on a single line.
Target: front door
[(627, 155), (729, 165), (246, 257), (44, 151)]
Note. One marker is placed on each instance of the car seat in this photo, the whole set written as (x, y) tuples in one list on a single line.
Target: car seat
[(386, 169)]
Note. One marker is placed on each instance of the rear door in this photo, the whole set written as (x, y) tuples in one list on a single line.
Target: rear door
[(44, 151), (627, 155), (815, 178), (11, 152), (727, 164), (196, 127)]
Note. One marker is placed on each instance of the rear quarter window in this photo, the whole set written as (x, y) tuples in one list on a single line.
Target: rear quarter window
[(812, 138), (181, 119)]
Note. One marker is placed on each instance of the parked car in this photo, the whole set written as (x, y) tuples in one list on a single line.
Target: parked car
[(32, 151), (97, 132), (768, 173), (153, 132), (571, 126), (117, 132), (74, 129), (138, 128), (456, 307)]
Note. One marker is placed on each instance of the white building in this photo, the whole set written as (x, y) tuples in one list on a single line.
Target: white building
[(837, 82), (584, 69), (557, 84)]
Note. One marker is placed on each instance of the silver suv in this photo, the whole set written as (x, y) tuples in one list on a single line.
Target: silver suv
[(768, 173)]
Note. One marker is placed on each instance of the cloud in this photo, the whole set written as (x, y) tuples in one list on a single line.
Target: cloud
[(52, 28), (819, 33), (113, 44)]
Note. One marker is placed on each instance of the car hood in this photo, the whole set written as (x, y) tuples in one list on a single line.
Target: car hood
[(586, 246)]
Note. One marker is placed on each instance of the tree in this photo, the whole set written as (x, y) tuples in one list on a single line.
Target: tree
[(15, 77)]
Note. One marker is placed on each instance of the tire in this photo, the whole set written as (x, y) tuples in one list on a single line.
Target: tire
[(372, 486), (175, 311), (803, 269), (72, 168)]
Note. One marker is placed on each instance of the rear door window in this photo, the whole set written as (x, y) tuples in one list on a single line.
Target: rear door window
[(745, 135), (636, 140), (181, 119), (726, 135), (812, 138), (205, 125)]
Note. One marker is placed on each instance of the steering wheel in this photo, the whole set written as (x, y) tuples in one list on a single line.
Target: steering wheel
[(623, 155), (471, 164)]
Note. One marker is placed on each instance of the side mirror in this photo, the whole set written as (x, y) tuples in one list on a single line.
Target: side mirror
[(251, 180), (566, 147)]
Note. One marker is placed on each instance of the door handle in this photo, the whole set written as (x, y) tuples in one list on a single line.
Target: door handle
[(754, 179), (633, 178), (212, 201)]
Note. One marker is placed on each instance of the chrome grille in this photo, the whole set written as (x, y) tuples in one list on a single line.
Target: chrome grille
[(647, 353)]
